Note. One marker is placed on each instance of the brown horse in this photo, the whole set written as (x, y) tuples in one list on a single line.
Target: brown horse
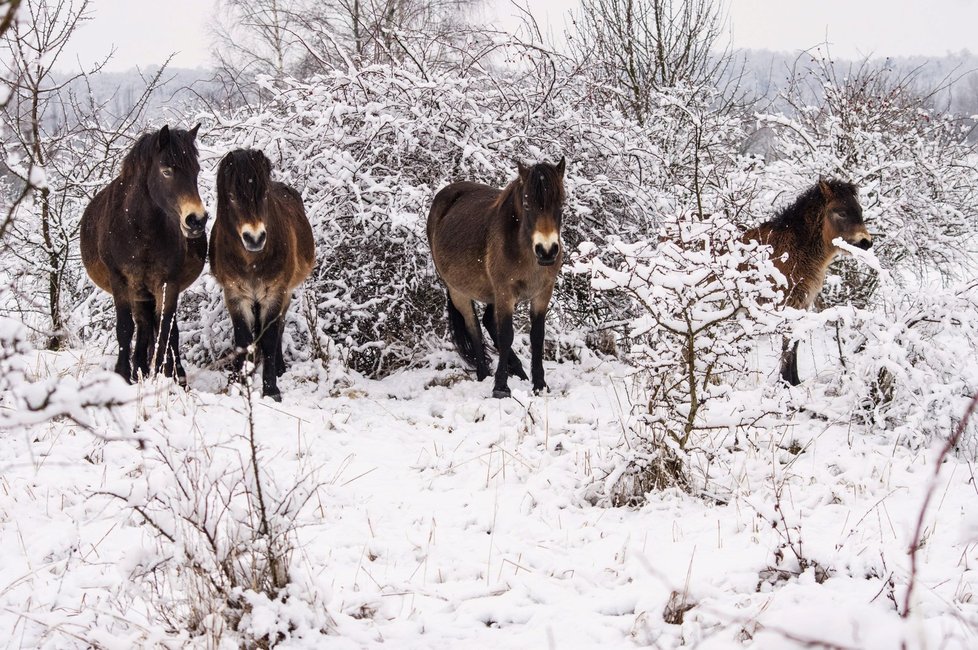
[(501, 248), (142, 240), (261, 249), (801, 236)]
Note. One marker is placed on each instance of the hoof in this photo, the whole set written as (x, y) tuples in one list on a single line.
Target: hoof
[(540, 390), (275, 397), (501, 393)]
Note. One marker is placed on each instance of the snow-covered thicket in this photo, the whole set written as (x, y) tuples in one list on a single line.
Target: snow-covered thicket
[(368, 150), (404, 507)]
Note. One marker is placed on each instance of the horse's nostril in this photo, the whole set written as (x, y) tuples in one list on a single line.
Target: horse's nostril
[(545, 253), (865, 243)]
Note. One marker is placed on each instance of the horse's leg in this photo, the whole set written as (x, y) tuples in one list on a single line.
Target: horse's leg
[(269, 329), (167, 342), (180, 373), (243, 327), (144, 311), (125, 326), (504, 333), (513, 365), (468, 337), (538, 317), (789, 362)]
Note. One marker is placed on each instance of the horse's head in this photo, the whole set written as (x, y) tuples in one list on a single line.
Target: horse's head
[(539, 207), (169, 157), (243, 179), (842, 215)]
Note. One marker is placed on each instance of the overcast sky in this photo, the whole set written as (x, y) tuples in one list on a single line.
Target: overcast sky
[(145, 31)]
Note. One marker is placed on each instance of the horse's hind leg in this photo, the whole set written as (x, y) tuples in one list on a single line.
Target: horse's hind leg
[(467, 333), (789, 362), (513, 365)]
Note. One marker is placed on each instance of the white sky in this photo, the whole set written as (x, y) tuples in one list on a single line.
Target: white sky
[(146, 31)]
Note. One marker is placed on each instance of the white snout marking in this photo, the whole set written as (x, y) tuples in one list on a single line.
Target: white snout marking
[(187, 208), (254, 233), (546, 240)]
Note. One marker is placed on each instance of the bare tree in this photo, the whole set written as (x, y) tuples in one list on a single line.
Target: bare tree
[(301, 37), (61, 147), (641, 47)]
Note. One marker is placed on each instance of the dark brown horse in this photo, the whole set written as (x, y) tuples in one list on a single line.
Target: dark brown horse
[(501, 248), (801, 236), (142, 240), (261, 249)]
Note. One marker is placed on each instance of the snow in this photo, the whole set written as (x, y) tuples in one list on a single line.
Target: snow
[(440, 518)]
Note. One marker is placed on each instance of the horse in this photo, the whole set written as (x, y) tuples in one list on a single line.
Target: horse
[(262, 248), (801, 236), (143, 241), (500, 248)]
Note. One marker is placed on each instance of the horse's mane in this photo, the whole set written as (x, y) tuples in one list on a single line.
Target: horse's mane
[(544, 188), (809, 204), (181, 152), (246, 173)]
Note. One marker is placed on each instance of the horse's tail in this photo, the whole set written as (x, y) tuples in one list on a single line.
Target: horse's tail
[(467, 348)]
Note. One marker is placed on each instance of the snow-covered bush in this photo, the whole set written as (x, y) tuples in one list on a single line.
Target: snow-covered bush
[(368, 149), (224, 535), (909, 363), (703, 297)]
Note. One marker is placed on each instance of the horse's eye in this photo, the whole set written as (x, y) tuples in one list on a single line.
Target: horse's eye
[(166, 171)]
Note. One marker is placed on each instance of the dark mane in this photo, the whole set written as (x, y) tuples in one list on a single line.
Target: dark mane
[(180, 152), (245, 173), (544, 189), (804, 213)]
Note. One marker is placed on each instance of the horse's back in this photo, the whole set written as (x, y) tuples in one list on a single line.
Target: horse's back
[(460, 217)]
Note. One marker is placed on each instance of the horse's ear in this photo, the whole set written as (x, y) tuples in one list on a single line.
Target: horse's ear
[(522, 170), (163, 139), (826, 189), (265, 163), (561, 166), (193, 131)]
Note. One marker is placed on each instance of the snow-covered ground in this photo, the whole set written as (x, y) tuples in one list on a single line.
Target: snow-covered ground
[(438, 517)]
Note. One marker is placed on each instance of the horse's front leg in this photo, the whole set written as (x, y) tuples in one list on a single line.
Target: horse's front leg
[(125, 326), (504, 341), (269, 340), (242, 313), (144, 315), (538, 318), (167, 343)]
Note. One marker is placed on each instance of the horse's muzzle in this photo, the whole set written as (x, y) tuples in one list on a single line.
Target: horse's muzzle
[(546, 257), (254, 242), (193, 226), (865, 243)]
